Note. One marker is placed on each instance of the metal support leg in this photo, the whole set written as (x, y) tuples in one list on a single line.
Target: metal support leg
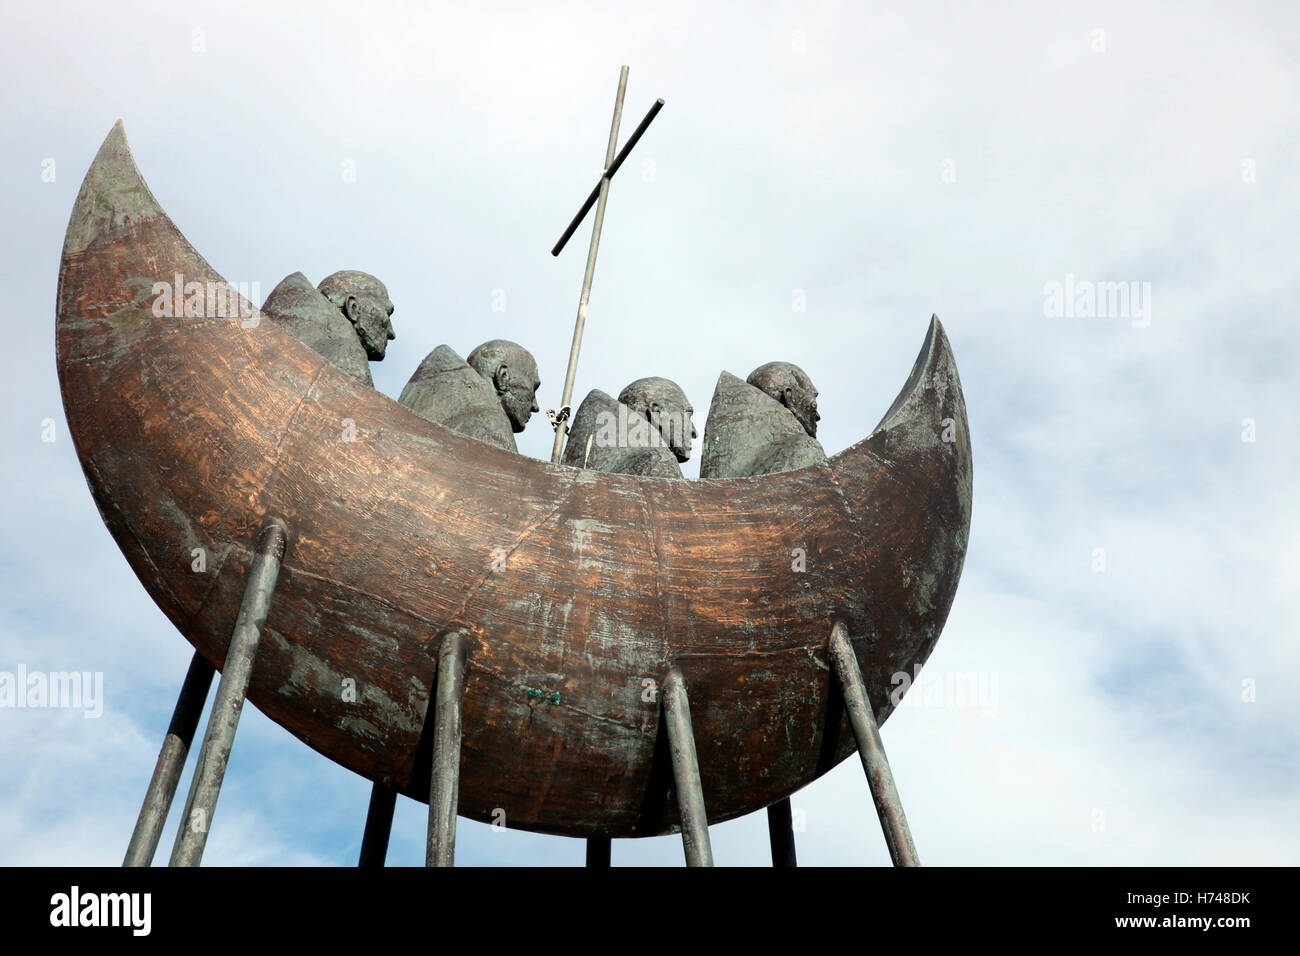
[(229, 702), (874, 762), (379, 824), (780, 831), (171, 761), (444, 780), (686, 772), (598, 851)]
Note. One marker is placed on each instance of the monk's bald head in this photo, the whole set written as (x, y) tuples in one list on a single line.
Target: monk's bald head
[(665, 405), (791, 386), (364, 300), (512, 371)]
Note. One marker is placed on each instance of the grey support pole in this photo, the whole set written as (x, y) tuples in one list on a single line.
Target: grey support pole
[(581, 321), (171, 761), (444, 779), (224, 719), (686, 772), (379, 824), (874, 762), (780, 831)]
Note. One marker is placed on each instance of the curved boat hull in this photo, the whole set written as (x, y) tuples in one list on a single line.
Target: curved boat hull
[(577, 590)]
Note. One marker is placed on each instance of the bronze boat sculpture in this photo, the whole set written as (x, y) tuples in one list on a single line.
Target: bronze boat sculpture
[(577, 592)]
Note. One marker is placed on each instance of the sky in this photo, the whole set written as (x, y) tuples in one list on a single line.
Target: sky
[(822, 179)]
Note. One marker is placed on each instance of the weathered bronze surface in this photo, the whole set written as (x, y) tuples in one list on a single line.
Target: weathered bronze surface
[(364, 302), (303, 311), (664, 405), (608, 435), (578, 591), (750, 433), (511, 370), (446, 390), (788, 384)]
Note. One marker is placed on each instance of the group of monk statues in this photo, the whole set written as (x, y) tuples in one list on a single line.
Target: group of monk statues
[(764, 424)]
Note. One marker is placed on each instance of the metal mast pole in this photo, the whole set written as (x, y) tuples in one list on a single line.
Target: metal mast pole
[(567, 397)]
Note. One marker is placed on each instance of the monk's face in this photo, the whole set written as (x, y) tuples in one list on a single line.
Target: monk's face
[(668, 409), (373, 320), (517, 385), (676, 422), (801, 398)]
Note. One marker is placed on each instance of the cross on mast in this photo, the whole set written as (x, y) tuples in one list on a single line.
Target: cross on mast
[(597, 197)]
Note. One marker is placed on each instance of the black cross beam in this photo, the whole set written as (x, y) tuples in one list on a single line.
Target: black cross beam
[(608, 174), (597, 198)]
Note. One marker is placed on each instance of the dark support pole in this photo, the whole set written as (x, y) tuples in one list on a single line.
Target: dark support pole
[(780, 830), (686, 772), (379, 824), (444, 780), (224, 719), (598, 851), (874, 762), (171, 761)]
